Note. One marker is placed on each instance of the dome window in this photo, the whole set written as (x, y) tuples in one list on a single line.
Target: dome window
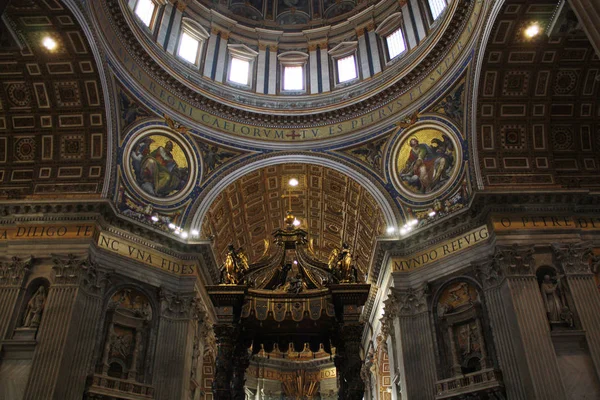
[(395, 43), (191, 42), (145, 11), (347, 68), (436, 7), (392, 35), (241, 65), (293, 71), (238, 71), (344, 58)]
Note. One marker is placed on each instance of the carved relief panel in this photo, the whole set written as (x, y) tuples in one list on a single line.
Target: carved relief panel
[(463, 341)]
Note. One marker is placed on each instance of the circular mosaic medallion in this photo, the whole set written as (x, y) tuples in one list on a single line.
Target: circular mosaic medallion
[(427, 160), (25, 149), (160, 165)]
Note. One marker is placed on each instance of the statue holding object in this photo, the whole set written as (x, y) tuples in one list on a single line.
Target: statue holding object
[(234, 267), (340, 264)]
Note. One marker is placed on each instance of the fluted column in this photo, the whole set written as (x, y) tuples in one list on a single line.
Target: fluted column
[(407, 319), (175, 337), (575, 262), (13, 274), (210, 58), (508, 345), (50, 353), (325, 81), (84, 328), (314, 69)]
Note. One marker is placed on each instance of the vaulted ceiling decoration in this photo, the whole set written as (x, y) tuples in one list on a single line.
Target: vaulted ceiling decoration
[(52, 119), (332, 207), (538, 116)]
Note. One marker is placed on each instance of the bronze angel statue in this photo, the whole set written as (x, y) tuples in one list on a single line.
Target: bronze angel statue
[(234, 267), (340, 264)]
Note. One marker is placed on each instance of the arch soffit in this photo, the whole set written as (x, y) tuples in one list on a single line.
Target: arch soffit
[(389, 211)]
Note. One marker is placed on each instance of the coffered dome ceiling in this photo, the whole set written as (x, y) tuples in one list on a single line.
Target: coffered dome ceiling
[(53, 125), (538, 115)]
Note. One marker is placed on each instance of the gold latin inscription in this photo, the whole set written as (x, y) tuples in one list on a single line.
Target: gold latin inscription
[(540, 222), (421, 259), (51, 231), (145, 255)]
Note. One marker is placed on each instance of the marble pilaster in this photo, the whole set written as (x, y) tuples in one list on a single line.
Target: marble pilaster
[(221, 61), (260, 69), (531, 335), (209, 59), (172, 366), (13, 275), (53, 335), (575, 262), (165, 24), (372, 38), (175, 30), (363, 58), (406, 314), (325, 69)]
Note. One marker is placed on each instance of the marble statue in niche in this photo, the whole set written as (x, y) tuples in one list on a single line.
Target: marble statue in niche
[(160, 165), (426, 161), (34, 309), (553, 296)]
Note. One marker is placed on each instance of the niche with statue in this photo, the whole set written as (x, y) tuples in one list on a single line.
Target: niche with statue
[(555, 297), (30, 317), (124, 352), (464, 341)]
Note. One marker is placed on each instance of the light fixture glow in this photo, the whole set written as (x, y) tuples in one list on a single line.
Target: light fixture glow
[(293, 182), (432, 213), (154, 218), (172, 226), (532, 30), (184, 235), (391, 230), (49, 43), (295, 262), (413, 222), (195, 233), (403, 231), (296, 222)]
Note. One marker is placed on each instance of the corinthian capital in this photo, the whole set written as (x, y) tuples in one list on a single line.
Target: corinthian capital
[(67, 270), (175, 305), (515, 260), (412, 301), (391, 309), (488, 272), (14, 272), (574, 258)]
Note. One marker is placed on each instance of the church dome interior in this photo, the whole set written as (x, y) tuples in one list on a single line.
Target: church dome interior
[(294, 199)]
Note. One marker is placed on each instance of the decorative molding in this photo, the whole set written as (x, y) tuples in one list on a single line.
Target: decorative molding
[(515, 260)]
